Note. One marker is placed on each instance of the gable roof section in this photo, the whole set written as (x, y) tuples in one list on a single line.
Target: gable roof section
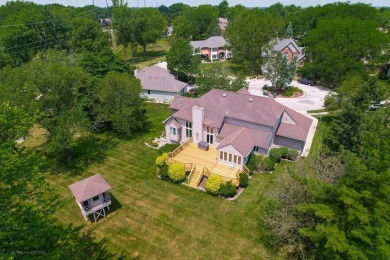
[(159, 79), (89, 187), (243, 90), (243, 138), (212, 42), (219, 104), (297, 131)]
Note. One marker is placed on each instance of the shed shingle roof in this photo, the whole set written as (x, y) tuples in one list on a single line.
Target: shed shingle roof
[(160, 79), (89, 187)]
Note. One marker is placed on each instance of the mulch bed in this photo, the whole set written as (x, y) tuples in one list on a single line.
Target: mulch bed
[(279, 92)]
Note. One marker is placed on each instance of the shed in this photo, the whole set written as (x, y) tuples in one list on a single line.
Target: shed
[(92, 196)]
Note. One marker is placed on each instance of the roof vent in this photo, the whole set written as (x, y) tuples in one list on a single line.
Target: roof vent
[(250, 99), (224, 94)]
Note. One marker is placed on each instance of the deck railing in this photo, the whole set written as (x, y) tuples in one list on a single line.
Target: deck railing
[(246, 170), (200, 176), (179, 149)]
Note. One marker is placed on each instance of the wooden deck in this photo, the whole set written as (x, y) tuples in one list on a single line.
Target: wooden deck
[(208, 159)]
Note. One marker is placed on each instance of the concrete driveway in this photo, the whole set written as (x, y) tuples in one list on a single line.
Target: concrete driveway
[(313, 95)]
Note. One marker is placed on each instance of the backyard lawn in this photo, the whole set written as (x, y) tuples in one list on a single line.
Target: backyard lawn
[(155, 219), (154, 53)]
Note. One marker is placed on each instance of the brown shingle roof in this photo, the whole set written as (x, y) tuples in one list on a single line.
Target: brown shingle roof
[(244, 138), (261, 110), (178, 102), (160, 79), (298, 131), (89, 187)]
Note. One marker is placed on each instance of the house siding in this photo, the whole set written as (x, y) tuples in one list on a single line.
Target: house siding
[(162, 96), (248, 124), (229, 149), (290, 143)]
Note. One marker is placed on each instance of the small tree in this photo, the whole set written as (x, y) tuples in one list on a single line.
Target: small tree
[(279, 71), (176, 172), (244, 180), (289, 30), (213, 184), (228, 190)]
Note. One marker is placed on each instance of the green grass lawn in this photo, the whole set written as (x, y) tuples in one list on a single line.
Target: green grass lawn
[(322, 130), (155, 219), (154, 53)]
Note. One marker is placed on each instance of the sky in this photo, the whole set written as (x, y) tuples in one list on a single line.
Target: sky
[(248, 3)]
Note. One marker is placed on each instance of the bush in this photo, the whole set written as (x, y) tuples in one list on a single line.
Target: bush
[(176, 172), (276, 153), (228, 190), (269, 164), (253, 162), (164, 172), (213, 184), (151, 142), (292, 155), (289, 91), (160, 160), (244, 180), (285, 151)]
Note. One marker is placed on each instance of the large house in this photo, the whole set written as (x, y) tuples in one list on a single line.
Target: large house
[(159, 84), (288, 48), (234, 124), (214, 48)]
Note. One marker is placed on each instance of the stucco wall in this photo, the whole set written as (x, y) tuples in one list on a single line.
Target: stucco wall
[(290, 143)]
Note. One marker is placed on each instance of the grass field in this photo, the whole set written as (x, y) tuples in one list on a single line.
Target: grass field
[(154, 53), (155, 219)]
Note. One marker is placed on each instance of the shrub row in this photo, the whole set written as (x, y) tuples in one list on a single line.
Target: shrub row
[(215, 187), (285, 153)]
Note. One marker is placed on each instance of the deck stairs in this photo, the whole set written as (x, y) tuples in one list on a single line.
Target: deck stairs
[(195, 177)]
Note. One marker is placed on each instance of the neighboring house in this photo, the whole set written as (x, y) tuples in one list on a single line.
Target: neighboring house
[(169, 31), (289, 49), (159, 84), (105, 22), (223, 23), (236, 124), (214, 48), (92, 196)]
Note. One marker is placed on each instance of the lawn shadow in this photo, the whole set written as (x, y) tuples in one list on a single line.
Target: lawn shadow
[(114, 206), (87, 151)]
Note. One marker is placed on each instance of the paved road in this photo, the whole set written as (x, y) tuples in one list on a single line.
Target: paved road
[(312, 100)]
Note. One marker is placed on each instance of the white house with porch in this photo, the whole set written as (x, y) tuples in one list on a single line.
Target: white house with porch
[(92, 196)]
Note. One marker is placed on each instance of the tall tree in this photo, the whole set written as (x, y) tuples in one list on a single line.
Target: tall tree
[(181, 60), (289, 30), (222, 8), (119, 103), (152, 25), (250, 34), (202, 19), (123, 26), (278, 70), (87, 35), (338, 48)]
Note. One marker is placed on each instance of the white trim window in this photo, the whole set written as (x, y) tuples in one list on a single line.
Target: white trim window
[(188, 129), (214, 49), (214, 56), (172, 130), (228, 157), (210, 135)]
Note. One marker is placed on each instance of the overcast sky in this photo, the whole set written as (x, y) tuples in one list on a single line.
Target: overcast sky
[(248, 3)]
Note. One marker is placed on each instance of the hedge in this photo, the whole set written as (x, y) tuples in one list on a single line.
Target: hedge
[(276, 153), (176, 172), (213, 184)]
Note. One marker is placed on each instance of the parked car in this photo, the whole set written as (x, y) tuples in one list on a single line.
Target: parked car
[(310, 82)]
